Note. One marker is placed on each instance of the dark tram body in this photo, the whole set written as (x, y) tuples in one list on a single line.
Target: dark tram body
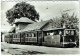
[(60, 37), (55, 37)]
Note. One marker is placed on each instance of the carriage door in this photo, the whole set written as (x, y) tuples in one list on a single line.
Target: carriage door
[(40, 37)]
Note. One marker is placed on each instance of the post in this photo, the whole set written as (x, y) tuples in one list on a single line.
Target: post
[(63, 38), (42, 36), (37, 37), (20, 37), (1, 36)]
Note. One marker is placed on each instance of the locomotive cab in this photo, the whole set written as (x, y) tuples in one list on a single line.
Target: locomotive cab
[(69, 38), (60, 37)]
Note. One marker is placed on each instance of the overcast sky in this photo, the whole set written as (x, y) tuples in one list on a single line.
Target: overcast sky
[(54, 10)]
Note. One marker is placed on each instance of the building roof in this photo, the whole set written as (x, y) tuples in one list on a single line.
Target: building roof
[(12, 29), (54, 29), (35, 26), (23, 20)]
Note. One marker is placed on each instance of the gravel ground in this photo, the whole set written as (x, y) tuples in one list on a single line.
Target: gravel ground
[(16, 49)]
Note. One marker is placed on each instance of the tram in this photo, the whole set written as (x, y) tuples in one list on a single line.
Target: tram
[(59, 37)]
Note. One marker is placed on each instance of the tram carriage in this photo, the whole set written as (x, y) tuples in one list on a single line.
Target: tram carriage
[(31, 37), (55, 37), (6, 38), (16, 38), (22, 37), (60, 37), (10, 37)]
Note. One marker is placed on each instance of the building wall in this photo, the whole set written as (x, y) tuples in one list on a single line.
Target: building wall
[(51, 25), (48, 26), (20, 27)]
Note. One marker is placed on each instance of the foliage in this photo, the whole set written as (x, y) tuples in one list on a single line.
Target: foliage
[(22, 10), (71, 21), (67, 19)]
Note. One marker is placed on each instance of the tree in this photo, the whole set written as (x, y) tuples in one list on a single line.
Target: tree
[(22, 9), (71, 21)]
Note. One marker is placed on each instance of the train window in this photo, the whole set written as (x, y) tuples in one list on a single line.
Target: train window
[(72, 32), (48, 33), (45, 34), (18, 36), (51, 33), (69, 32), (34, 35), (29, 35), (60, 32), (56, 32), (23, 34), (26, 35)]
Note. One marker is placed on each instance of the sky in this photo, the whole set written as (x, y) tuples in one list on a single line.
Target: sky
[(47, 10)]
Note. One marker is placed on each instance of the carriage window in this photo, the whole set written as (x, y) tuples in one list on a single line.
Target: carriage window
[(69, 32), (72, 32), (45, 34), (26, 35), (23, 34), (29, 35), (60, 32), (34, 35), (16, 36), (56, 32), (48, 33), (51, 33)]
